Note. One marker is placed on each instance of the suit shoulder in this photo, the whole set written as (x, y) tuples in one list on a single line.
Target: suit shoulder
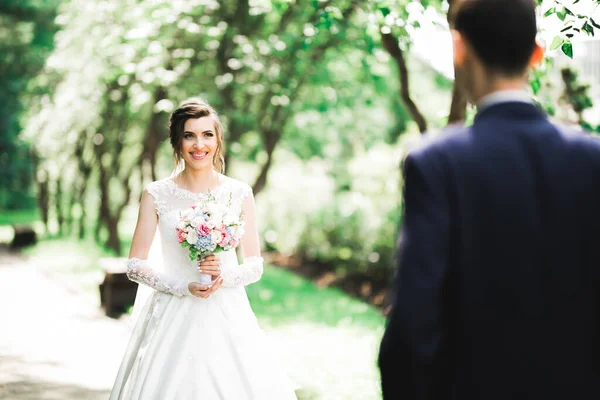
[(436, 143), (578, 137)]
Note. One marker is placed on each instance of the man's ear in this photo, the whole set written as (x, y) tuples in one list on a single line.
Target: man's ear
[(460, 48), (537, 56)]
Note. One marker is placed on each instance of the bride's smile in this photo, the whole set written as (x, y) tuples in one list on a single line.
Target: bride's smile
[(199, 155)]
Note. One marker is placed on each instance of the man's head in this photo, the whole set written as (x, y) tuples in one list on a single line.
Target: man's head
[(494, 44)]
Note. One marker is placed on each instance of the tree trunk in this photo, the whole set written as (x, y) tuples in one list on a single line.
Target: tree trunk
[(390, 43), (98, 226), (82, 216), (261, 181), (113, 242), (43, 197), (458, 107), (153, 133), (110, 221), (58, 206), (81, 191), (70, 219)]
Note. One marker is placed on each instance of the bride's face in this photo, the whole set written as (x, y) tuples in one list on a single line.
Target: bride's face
[(199, 143)]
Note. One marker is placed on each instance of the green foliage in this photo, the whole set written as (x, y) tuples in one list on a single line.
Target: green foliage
[(574, 23), (576, 97), (576, 93), (359, 242), (26, 32), (300, 86), (347, 221)]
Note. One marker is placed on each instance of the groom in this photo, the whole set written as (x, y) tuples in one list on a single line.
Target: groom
[(498, 287)]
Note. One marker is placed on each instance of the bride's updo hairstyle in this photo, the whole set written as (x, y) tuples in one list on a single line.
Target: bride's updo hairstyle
[(195, 108)]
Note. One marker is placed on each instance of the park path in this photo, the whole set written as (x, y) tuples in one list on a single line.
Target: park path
[(54, 344)]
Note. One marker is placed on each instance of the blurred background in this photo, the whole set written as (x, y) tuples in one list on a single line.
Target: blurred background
[(321, 101)]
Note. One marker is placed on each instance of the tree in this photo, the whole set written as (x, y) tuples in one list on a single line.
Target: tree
[(26, 33)]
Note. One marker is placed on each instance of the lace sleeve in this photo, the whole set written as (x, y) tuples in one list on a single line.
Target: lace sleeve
[(244, 190), (244, 274), (154, 189), (139, 271)]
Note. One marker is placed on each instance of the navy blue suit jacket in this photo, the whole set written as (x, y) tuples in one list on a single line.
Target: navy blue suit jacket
[(498, 286)]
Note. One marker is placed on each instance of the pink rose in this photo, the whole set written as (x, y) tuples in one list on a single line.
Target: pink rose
[(225, 238), (193, 207), (234, 243), (203, 230), (181, 236)]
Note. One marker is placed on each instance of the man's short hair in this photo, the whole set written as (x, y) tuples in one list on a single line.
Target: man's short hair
[(502, 32)]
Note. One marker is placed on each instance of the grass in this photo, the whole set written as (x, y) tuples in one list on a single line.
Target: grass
[(327, 341), (16, 217), (281, 297)]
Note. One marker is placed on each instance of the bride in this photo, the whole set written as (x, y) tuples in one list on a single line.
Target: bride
[(194, 340)]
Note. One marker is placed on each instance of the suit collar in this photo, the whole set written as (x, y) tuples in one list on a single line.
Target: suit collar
[(515, 110), (503, 96)]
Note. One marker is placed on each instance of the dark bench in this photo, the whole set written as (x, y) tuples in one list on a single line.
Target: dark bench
[(24, 236), (117, 292)]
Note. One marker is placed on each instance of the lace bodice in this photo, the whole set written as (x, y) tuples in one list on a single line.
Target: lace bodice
[(168, 196), (176, 270)]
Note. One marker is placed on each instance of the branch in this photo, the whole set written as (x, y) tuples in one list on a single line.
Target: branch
[(458, 107), (390, 43)]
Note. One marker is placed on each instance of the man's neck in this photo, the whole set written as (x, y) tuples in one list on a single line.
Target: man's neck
[(500, 85)]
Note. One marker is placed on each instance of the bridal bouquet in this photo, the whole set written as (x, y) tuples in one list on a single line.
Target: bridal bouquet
[(209, 227)]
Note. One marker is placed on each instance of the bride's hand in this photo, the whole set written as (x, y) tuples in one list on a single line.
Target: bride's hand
[(211, 266), (203, 291)]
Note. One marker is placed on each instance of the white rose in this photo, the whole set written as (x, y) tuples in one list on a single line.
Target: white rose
[(181, 225), (192, 237), (229, 220), (212, 208), (216, 236), (239, 232), (197, 221), (215, 212)]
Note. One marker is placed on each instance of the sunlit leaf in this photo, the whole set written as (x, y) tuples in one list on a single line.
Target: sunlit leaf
[(567, 49), (556, 43), (550, 11), (385, 11)]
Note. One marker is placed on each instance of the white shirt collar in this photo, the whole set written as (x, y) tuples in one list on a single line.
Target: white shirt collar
[(503, 96)]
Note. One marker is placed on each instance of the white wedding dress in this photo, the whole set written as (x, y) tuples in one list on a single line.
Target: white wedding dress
[(185, 347)]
